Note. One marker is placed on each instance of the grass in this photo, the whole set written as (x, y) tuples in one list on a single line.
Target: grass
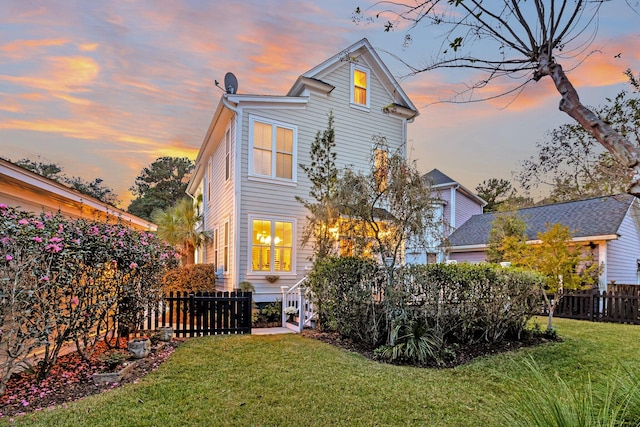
[(291, 380)]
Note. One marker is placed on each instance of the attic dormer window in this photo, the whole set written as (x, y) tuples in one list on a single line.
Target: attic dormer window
[(359, 86)]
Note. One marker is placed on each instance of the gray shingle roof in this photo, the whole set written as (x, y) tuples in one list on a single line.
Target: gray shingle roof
[(435, 177), (591, 217)]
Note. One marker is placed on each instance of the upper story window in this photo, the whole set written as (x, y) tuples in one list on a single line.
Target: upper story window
[(359, 86), (273, 149)]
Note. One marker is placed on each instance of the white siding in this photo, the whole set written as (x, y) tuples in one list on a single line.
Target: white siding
[(623, 253), (219, 207), (354, 130)]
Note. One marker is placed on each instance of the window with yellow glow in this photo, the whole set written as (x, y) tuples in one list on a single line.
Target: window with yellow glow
[(273, 150), (271, 246), (381, 169), (359, 87)]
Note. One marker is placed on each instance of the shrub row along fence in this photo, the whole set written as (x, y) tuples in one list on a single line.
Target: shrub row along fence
[(599, 306), (423, 313), (196, 314)]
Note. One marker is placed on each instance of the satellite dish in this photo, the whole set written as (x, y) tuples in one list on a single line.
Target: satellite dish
[(230, 83)]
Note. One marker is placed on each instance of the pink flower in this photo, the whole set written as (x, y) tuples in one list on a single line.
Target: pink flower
[(25, 403), (39, 225), (133, 265), (9, 257), (74, 300), (3, 206), (37, 239), (45, 278), (54, 247), (23, 221), (55, 240)]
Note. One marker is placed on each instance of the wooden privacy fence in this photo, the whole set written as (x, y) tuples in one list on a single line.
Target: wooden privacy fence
[(198, 314), (600, 306)]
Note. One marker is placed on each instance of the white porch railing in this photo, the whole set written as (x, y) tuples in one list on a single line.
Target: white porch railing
[(297, 297)]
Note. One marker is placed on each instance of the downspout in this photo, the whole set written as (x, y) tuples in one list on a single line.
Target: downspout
[(236, 190)]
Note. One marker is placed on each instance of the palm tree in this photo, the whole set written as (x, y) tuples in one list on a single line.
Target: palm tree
[(178, 226)]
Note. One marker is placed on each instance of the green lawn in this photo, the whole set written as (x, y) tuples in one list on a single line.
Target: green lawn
[(290, 380)]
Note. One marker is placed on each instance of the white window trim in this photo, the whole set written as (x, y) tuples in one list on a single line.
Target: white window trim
[(257, 274), (353, 104), (215, 240), (226, 248), (294, 160)]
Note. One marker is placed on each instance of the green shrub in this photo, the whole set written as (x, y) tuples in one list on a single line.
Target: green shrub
[(412, 342), (348, 292), (468, 303), (271, 312), (421, 312), (190, 278)]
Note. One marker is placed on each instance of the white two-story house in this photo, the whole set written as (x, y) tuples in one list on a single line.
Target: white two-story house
[(248, 169)]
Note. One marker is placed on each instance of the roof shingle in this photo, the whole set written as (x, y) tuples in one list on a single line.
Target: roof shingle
[(591, 217)]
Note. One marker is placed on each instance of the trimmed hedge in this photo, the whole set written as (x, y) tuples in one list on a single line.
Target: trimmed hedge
[(190, 278), (446, 305)]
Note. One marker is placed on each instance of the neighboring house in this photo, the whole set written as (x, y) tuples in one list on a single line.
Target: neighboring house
[(609, 226), (31, 192), (248, 172), (454, 205)]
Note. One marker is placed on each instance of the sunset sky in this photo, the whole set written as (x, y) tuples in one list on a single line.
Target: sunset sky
[(104, 88)]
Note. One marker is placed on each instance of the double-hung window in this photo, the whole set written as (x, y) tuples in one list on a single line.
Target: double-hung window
[(359, 86), (381, 172), (273, 149), (272, 245)]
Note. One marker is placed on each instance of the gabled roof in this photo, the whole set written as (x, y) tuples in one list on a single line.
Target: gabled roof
[(597, 217), (437, 178), (439, 181), (364, 50)]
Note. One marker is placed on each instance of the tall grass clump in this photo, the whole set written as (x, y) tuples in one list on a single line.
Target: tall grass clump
[(547, 400)]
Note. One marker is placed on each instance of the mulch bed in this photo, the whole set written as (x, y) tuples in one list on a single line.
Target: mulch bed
[(462, 355), (71, 379)]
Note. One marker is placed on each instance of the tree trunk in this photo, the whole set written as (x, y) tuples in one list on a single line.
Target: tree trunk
[(190, 255), (620, 148)]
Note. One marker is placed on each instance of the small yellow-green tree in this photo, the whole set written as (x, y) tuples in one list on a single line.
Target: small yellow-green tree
[(507, 238), (565, 265)]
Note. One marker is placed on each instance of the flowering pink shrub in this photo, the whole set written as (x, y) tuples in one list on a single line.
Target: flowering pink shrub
[(63, 279)]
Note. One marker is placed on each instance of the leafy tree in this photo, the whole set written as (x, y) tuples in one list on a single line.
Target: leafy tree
[(54, 171), (520, 40), (385, 207), (565, 265), (574, 165), (323, 174), (160, 185), (495, 192), (178, 226), (48, 170), (94, 189), (507, 238)]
